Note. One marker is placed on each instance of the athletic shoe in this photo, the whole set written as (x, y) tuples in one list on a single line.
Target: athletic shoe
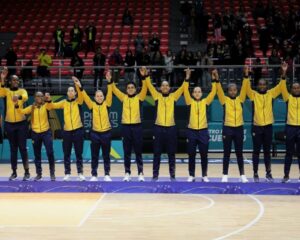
[(285, 180), (67, 177), (191, 179), (173, 179), (38, 177), (94, 179), (81, 177), (224, 178), (256, 178), (154, 179), (205, 179), (26, 177), (244, 179), (127, 177), (52, 177), (269, 178), (13, 177), (107, 178), (141, 178)]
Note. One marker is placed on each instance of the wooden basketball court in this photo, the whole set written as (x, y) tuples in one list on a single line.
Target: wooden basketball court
[(49, 216), (148, 216)]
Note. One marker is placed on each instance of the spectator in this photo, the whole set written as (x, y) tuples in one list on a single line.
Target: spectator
[(77, 64), (45, 61), (185, 10), (157, 60), (76, 38), (127, 18), (139, 45), (206, 77), (297, 61), (196, 75), (26, 73), (259, 10), (129, 64), (274, 59), (264, 40), (11, 61), (257, 71), (154, 43), (99, 61), (146, 60), (59, 39), (169, 62), (116, 59), (90, 33), (203, 26), (217, 28), (181, 61)]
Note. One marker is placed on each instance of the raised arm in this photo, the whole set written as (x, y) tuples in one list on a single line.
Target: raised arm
[(210, 97), (152, 89), (186, 92), (108, 98), (51, 105), (243, 92), (283, 88), (249, 91), (3, 77), (144, 76), (79, 90), (88, 101)]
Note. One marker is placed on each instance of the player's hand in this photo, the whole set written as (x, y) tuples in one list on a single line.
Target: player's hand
[(215, 74), (76, 81), (246, 70), (108, 76), (143, 71), (4, 73), (188, 73), (284, 67)]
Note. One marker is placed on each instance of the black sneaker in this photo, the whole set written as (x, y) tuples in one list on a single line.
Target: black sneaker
[(52, 177), (256, 178), (38, 177), (13, 176), (154, 179), (26, 177), (269, 177), (172, 179), (285, 179)]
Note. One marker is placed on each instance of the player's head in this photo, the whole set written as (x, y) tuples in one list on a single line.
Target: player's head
[(295, 89), (262, 85), (14, 81), (232, 90), (131, 88), (165, 87), (99, 96), (197, 93), (71, 93), (39, 97)]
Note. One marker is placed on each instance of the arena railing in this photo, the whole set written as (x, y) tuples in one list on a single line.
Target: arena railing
[(60, 76)]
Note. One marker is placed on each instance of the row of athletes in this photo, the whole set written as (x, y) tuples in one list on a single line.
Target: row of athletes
[(164, 128)]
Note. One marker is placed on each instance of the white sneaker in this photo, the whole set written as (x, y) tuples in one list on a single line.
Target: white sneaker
[(205, 179), (127, 177), (141, 178), (81, 177), (191, 179), (107, 178), (94, 179), (67, 177), (224, 178), (244, 179)]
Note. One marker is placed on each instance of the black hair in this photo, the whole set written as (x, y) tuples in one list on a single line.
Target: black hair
[(131, 83)]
